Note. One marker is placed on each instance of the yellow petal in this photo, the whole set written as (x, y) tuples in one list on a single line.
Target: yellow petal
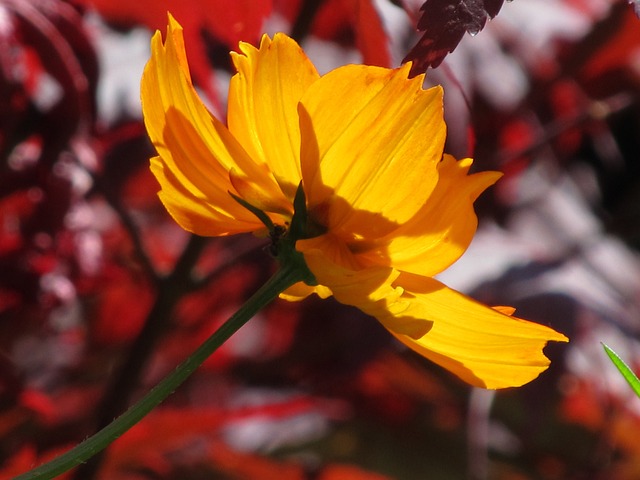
[(300, 291), (195, 150), (195, 213), (371, 141), (261, 199), (483, 346), (443, 228), (369, 289), (263, 103)]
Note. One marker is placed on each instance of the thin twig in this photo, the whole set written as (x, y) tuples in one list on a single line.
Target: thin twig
[(129, 225), (597, 111)]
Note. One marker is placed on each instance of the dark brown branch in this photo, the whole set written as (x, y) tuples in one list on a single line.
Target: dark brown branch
[(302, 25)]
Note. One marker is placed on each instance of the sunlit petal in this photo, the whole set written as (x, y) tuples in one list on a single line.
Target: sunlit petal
[(261, 198), (369, 289), (300, 291), (195, 150), (371, 141), (442, 230), (483, 346), (263, 104), (195, 213)]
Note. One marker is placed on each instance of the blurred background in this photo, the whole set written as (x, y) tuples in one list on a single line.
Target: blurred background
[(102, 294)]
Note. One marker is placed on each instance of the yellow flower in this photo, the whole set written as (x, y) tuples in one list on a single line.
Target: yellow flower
[(387, 210)]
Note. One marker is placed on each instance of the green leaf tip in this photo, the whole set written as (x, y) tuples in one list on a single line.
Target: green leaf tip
[(624, 369)]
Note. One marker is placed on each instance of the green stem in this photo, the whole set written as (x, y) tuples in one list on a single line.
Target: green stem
[(288, 275)]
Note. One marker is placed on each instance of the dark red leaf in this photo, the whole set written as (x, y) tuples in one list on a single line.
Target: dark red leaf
[(444, 22)]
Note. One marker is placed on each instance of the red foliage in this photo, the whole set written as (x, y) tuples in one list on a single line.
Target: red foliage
[(227, 22), (619, 54), (119, 308)]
